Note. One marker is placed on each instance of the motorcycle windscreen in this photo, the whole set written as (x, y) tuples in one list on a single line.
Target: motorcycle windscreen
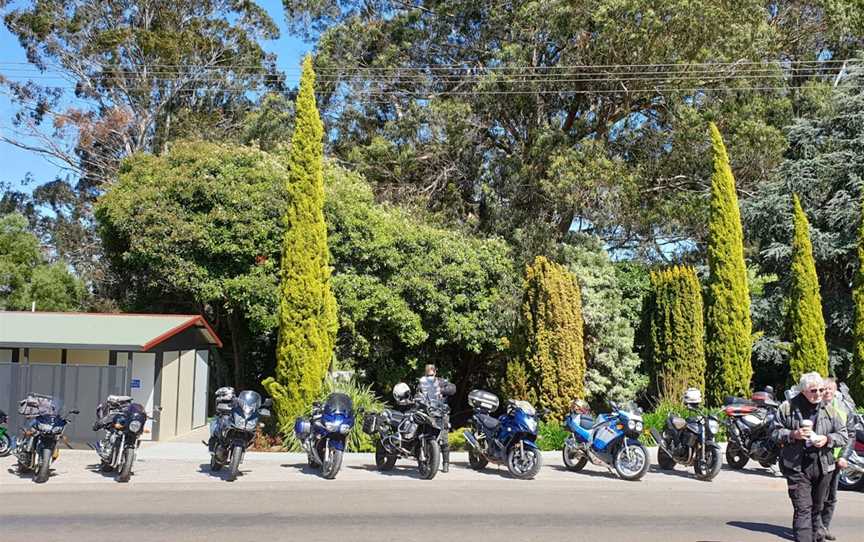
[(338, 403), (249, 401)]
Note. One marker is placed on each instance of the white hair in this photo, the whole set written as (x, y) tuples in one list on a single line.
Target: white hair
[(809, 379)]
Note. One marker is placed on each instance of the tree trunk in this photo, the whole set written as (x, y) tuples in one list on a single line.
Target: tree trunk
[(235, 327)]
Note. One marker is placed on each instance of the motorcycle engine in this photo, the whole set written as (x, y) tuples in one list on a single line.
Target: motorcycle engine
[(408, 429), (761, 450)]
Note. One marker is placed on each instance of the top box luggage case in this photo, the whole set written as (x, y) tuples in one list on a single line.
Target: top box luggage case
[(36, 404)]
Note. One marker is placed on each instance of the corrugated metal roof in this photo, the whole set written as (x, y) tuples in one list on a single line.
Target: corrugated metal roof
[(134, 332)]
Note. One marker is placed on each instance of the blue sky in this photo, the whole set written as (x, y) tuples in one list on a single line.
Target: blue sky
[(16, 164)]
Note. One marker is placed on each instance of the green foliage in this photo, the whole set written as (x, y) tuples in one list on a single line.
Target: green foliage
[(410, 293), (856, 374), (517, 382), (456, 438), (307, 308), (551, 436), (363, 398), (611, 365), (806, 326), (677, 354), (552, 331), (199, 227), (727, 318), (25, 275)]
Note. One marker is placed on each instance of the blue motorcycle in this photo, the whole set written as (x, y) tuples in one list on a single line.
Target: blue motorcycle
[(323, 435), (609, 439), (506, 440)]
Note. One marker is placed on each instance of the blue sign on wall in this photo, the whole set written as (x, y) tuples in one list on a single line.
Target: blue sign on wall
[(136, 383)]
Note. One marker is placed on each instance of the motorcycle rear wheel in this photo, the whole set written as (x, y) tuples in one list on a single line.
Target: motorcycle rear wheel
[(126, 468), (476, 461), (429, 468), (5, 445), (44, 470), (850, 480), (384, 461), (234, 467), (572, 460), (524, 470), (708, 470), (665, 460), (736, 457)]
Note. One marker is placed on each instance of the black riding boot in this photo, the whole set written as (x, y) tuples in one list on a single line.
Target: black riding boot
[(445, 459)]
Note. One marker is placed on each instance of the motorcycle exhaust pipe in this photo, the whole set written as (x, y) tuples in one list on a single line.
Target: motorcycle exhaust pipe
[(658, 438), (471, 440)]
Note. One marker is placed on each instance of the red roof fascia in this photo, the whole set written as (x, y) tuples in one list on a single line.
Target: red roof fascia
[(193, 321)]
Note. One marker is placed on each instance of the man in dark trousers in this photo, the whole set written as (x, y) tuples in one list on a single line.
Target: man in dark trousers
[(437, 388), (845, 408), (808, 430)]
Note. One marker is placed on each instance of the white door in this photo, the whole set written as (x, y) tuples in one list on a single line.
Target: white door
[(142, 384), (199, 410)]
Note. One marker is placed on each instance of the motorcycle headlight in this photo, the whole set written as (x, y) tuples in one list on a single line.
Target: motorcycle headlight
[(57, 429), (713, 427), (344, 428), (631, 425), (134, 426), (639, 427), (45, 427), (333, 427)]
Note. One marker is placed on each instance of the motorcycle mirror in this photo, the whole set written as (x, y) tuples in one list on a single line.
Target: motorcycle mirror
[(267, 402), (75, 412), (264, 413)]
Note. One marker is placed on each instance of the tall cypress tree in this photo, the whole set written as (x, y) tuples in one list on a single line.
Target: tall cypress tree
[(307, 308), (553, 334), (728, 341), (806, 325), (677, 350), (856, 374)]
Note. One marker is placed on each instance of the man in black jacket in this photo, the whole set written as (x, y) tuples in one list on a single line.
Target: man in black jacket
[(434, 387), (808, 430)]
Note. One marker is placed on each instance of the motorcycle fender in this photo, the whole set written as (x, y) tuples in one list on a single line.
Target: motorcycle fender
[(337, 444), (529, 444), (633, 442)]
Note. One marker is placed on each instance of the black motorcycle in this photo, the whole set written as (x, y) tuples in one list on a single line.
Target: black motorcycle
[(123, 422), (748, 429), (37, 448), (690, 442), (234, 431), (412, 432)]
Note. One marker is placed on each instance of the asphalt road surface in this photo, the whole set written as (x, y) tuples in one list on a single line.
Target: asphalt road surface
[(173, 496)]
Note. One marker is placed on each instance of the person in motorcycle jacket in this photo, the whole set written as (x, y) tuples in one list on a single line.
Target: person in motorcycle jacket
[(807, 430), (434, 387), (846, 412)]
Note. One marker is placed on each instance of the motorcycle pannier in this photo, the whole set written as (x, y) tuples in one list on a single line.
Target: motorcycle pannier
[(302, 428), (37, 405), (483, 400), (370, 423), (118, 402), (224, 400)]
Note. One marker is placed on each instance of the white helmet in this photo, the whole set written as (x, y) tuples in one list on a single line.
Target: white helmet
[(692, 396), (401, 392)]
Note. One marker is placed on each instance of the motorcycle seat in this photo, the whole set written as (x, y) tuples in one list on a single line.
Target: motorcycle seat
[(489, 422), (586, 422)]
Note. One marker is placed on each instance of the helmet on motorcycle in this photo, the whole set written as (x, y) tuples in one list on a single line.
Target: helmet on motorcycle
[(692, 396), (401, 393), (579, 406)]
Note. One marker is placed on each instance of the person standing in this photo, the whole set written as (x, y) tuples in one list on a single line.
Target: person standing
[(437, 388), (846, 412), (808, 430)]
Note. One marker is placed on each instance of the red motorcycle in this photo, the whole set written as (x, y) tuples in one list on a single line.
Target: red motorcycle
[(748, 430)]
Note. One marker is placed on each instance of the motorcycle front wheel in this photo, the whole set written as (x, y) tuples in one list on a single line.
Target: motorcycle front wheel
[(234, 467), (524, 463), (710, 468), (330, 467), (5, 445), (573, 459), (850, 479), (631, 462), (43, 471), (476, 461), (736, 457), (428, 466), (126, 467)]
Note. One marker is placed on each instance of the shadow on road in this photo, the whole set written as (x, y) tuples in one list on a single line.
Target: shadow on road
[(781, 532), (303, 468), (757, 471), (405, 471), (204, 468), (584, 472), (654, 469)]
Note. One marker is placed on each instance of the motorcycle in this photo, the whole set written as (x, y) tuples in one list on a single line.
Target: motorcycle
[(748, 429), (690, 441), (123, 422), (413, 432), (509, 439), (234, 430), (611, 440), (5, 439), (852, 477), (37, 447), (323, 434)]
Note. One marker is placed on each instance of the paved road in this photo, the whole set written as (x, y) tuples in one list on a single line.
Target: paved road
[(174, 497)]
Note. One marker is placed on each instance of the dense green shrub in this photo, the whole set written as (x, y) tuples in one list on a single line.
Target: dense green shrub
[(307, 308), (728, 341), (856, 373), (551, 436), (805, 323)]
